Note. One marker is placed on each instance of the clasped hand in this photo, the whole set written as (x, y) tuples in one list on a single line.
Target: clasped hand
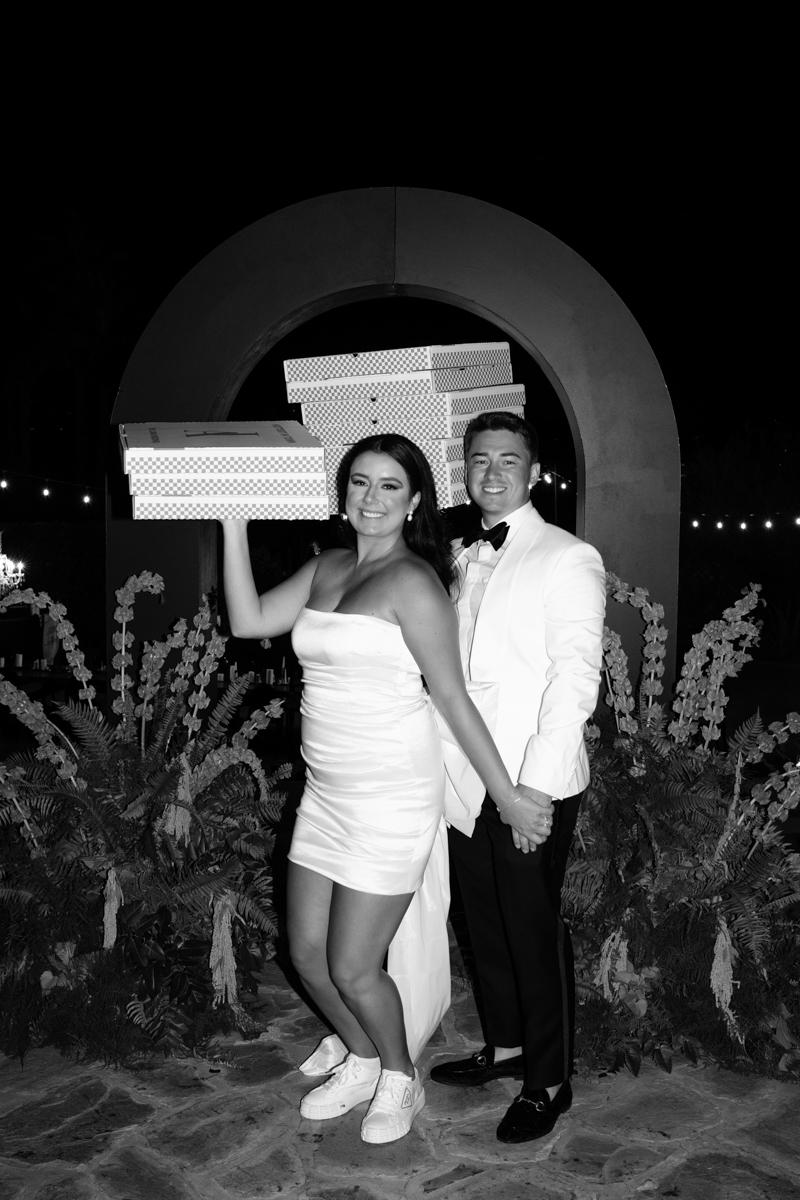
[(530, 818)]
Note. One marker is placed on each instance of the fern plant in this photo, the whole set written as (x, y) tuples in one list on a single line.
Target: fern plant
[(681, 886), (135, 869)]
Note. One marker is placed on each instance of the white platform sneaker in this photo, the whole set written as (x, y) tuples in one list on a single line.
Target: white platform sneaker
[(352, 1082), (397, 1101)]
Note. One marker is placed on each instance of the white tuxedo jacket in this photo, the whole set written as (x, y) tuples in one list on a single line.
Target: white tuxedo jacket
[(538, 636)]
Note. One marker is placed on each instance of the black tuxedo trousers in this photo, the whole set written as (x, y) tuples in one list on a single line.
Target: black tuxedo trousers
[(522, 946)]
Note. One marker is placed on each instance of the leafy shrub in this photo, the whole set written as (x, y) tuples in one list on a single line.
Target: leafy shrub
[(681, 889), (136, 859)]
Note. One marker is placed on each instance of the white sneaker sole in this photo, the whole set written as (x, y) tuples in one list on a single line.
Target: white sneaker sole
[(377, 1137)]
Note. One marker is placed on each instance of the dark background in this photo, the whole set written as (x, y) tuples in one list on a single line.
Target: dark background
[(688, 221)]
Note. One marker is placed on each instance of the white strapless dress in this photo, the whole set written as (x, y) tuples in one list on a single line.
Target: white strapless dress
[(371, 814), (374, 793)]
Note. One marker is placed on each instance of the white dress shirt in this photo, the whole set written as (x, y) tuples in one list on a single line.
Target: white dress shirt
[(477, 563)]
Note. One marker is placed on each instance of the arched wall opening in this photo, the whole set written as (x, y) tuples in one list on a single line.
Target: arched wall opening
[(313, 257)]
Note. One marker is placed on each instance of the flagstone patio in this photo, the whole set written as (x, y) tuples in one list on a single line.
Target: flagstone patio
[(231, 1129)]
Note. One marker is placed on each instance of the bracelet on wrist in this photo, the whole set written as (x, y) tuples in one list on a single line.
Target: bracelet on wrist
[(517, 797)]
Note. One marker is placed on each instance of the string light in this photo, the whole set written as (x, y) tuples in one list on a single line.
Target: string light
[(550, 475), (742, 521), (14, 482)]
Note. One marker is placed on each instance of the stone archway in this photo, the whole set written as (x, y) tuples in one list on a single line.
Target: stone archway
[(303, 260)]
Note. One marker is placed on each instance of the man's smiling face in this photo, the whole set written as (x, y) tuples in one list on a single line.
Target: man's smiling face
[(500, 473)]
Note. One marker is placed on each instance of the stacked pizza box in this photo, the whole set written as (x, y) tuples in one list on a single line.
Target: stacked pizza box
[(213, 469), (428, 393)]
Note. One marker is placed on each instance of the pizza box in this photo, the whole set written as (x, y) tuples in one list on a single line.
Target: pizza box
[(199, 508), (199, 447), (392, 362), (413, 383), (258, 483), (342, 419), (423, 383)]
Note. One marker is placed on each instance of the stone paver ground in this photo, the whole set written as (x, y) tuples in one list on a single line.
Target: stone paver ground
[(198, 1130)]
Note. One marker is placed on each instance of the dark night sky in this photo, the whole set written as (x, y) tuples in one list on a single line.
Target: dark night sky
[(685, 216), (669, 222)]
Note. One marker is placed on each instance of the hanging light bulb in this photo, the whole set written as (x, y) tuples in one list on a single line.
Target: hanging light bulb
[(87, 499), (719, 524), (695, 524), (548, 478), (46, 491), (768, 524), (743, 524), (3, 483)]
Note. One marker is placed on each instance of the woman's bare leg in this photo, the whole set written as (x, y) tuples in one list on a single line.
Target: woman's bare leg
[(338, 939), (361, 926), (309, 903)]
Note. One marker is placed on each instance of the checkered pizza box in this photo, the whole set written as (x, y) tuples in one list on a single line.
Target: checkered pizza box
[(342, 422), (459, 495), (341, 419), (392, 362), (254, 484), (223, 447), (192, 508), (458, 424), (415, 383)]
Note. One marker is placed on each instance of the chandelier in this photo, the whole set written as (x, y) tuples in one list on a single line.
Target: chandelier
[(11, 573)]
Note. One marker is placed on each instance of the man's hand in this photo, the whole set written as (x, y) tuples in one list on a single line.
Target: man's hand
[(531, 818)]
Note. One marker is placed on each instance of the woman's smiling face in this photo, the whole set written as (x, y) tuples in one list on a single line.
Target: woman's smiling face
[(378, 494)]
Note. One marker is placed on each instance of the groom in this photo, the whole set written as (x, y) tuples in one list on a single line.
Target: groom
[(530, 613)]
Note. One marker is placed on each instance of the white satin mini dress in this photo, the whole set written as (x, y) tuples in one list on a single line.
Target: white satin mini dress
[(374, 790)]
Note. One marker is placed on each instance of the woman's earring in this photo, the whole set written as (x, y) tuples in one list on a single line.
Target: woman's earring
[(343, 516), (410, 515)]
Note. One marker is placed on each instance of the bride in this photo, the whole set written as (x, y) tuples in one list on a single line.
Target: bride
[(366, 624)]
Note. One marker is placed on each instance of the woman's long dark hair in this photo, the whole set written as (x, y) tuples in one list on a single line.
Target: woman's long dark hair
[(425, 532)]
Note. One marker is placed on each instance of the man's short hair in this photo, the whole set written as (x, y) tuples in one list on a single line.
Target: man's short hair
[(503, 420)]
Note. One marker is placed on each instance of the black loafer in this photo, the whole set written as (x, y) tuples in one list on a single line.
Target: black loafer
[(534, 1115), (478, 1069)]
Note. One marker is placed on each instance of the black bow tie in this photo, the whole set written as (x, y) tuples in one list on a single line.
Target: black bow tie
[(496, 535)]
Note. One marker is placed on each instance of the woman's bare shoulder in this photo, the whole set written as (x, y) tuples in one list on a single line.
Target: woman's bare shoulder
[(331, 559), (414, 580)]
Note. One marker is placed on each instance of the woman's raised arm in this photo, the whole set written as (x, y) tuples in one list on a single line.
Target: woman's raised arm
[(251, 615)]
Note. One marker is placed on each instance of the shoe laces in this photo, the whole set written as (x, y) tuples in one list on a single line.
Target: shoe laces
[(346, 1072), (388, 1095)]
